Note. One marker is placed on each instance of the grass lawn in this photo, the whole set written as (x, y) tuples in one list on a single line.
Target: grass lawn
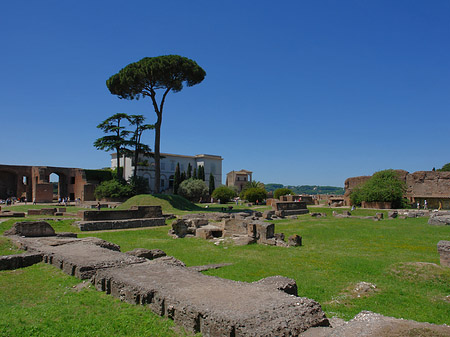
[(399, 256)]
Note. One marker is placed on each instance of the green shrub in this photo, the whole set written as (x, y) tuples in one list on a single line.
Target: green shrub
[(254, 194), (224, 193), (193, 189), (384, 186), (281, 191), (445, 168), (113, 189)]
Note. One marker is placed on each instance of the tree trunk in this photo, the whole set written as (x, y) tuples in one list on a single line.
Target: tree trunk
[(157, 155)]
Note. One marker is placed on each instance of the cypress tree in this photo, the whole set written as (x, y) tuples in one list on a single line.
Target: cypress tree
[(176, 179), (195, 173), (183, 177), (201, 173), (189, 171), (212, 185)]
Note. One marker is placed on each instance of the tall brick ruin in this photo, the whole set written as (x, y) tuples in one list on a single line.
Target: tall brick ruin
[(433, 186)]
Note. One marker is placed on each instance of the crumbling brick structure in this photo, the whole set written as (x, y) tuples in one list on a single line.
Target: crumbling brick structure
[(33, 183), (432, 186)]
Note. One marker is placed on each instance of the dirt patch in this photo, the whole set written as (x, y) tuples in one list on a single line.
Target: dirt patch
[(421, 271), (358, 290), (80, 286)]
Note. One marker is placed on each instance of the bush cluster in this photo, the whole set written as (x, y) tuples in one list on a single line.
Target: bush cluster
[(254, 194), (281, 191), (224, 194), (193, 189), (114, 189), (384, 186)]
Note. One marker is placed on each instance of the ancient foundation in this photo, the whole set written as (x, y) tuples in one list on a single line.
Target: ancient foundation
[(137, 216), (200, 303)]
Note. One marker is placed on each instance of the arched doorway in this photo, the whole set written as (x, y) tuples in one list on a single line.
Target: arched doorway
[(59, 184)]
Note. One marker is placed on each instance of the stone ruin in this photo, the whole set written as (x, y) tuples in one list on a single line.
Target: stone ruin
[(443, 248), (287, 208), (241, 229), (135, 217), (200, 303)]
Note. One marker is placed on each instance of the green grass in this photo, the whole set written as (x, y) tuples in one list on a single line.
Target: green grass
[(40, 301), (336, 254)]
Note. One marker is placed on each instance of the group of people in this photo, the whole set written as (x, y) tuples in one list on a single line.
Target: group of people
[(425, 204)]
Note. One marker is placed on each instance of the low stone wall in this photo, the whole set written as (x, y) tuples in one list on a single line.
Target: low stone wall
[(119, 224), (10, 262), (136, 212), (376, 204), (286, 208)]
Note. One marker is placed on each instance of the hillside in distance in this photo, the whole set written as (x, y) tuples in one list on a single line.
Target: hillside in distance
[(307, 189)]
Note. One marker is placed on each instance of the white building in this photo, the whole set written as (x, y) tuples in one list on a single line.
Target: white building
[(146, 168)]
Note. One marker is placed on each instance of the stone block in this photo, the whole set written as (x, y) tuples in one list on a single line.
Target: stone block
[(295, 240), (444, 253), (10, 262), (392, 214), (147, 253), (31, 229), (439, 220)]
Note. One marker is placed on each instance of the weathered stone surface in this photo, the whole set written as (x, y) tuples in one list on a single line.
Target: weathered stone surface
[(369, 324), (210, 305), (147, 253), (77, 257), (439, 220), (268, 215), (31, 229), (318, 215), (242, 240), (392, 214), (444, 252), (10, 262), (66, 235), (208, 232), (295, 240), (379, 216), (234, 226), (135, 212), (285, 284), (102, 243), (119, 224), (214, 216), (209, 267)]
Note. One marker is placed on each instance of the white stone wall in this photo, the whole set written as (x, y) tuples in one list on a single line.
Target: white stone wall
[(168, 165)]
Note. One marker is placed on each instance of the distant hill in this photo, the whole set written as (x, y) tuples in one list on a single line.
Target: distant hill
[(307, 189)]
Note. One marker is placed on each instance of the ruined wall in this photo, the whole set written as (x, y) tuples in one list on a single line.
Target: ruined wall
[(33, 182), (136, 212), (430, 185)]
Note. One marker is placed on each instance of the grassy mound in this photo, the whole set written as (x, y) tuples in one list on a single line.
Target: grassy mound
[(168, 203)]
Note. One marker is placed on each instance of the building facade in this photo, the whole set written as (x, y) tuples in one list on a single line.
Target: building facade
[(146, 168), (238, 179)]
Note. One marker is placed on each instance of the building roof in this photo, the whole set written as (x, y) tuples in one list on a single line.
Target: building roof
[(197, 156)]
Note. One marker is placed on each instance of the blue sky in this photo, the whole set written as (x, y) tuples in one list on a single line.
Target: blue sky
[(299, 92)]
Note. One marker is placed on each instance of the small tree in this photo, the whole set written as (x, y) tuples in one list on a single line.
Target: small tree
[(114, 189), (212, 184), (135, 142), (117, 138), (193, 189), (201, 173), (224, 194), (189, 171), (254, 194), (194, 176), (281, 191)]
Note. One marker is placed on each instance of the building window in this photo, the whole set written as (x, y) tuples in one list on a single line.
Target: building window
[(245, 178), (172, 165), (163, 166), (162, 182), (72, 180)]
